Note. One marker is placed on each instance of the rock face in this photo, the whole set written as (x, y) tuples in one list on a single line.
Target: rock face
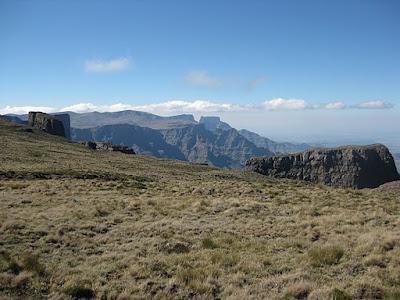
[(145, 141), (108, 147), (349, 166), (221, 148), (48, 123), (64, 118), (214, 123), (194, 143)]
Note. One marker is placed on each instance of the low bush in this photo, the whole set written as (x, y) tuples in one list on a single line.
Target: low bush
[(325, 255)]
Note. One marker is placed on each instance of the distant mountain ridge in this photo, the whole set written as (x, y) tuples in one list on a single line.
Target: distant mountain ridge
[(193, 143), (180, 137), (132, 117), (273, 146), (139, 118)]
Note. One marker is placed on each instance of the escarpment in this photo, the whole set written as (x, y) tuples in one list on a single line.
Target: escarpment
[(52, 124), (349, 166)]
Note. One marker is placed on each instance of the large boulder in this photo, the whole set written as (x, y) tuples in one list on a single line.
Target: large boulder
[(349, 166), (48, 123)]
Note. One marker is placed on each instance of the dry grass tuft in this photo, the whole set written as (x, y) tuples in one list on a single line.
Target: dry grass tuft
[(325, 255)]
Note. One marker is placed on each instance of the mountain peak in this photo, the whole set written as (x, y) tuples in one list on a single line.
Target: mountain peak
[(212, 123)]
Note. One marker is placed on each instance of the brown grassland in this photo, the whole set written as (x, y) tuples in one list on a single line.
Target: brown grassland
[(76, 223)]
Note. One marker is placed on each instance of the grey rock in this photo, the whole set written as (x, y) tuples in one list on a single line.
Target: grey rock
[(174, 247), (104, 146), (48, 123), (214, 123), (348, 166), (221, 148), (65, 119)]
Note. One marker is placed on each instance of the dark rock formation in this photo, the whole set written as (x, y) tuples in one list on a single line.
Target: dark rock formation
[(48, 123), (145, 141), (108, 147), (221, 148), (194, 143), (64, 118), (349, 166)]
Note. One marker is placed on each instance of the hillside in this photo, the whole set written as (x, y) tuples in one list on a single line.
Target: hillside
[(81, 223)]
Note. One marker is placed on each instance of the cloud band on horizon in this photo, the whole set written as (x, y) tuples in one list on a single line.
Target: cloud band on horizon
[(198, 106)]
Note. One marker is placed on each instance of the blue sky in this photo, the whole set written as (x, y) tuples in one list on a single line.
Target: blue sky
[(248, 61)]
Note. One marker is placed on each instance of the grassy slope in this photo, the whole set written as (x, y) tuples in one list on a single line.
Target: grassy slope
[(79, 223)]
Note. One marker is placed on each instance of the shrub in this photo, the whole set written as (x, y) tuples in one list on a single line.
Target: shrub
[(78, 291), (31, 263), (299, 290), (226, 260), (340, 295), (368, 291), (208, 243), (326, 255)]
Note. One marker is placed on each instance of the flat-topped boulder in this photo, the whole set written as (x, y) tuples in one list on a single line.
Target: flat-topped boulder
[(49, 123), (348, 166)]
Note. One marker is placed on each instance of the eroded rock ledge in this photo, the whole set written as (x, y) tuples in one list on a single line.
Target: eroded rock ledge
[(104, 146), (348, 166)]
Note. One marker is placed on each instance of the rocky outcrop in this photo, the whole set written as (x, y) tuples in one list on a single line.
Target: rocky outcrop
[(349, 166), (108, 147), (145, 141), (65, 119), (214, 123), (48, 123)]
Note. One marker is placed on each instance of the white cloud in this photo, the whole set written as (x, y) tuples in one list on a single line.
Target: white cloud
[(197, 106), (202, 79), (299, 104), (335, 105), (20, 110), (88, 107), (174, 106), (104, 66), (376, 104), (287, 104)]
